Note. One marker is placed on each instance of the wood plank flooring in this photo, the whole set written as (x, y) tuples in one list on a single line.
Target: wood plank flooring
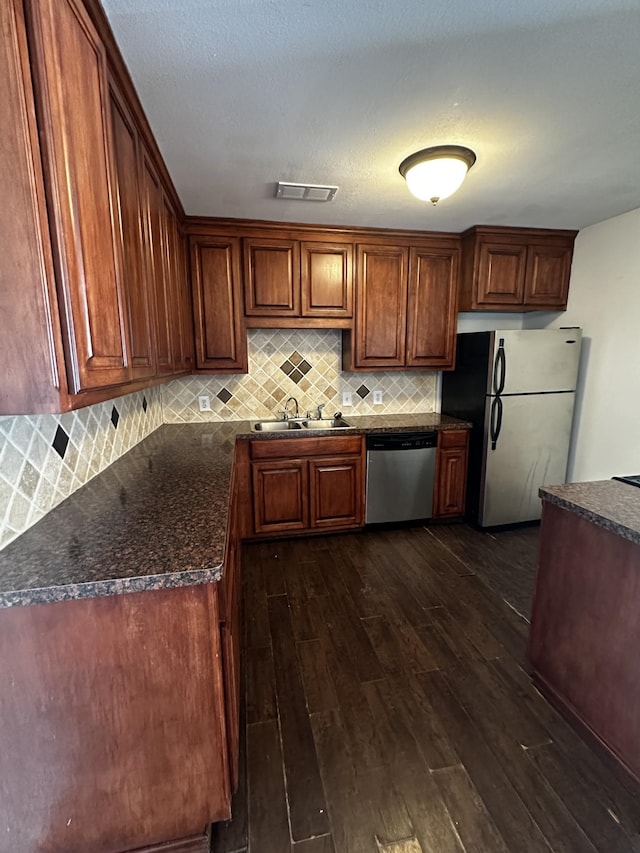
[(386, 707)]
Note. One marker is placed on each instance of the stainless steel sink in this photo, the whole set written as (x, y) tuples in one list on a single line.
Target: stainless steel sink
[(311, 423), (326, 423), (276, 426)]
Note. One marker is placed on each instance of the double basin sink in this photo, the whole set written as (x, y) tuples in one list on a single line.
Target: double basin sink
[(300, 424)]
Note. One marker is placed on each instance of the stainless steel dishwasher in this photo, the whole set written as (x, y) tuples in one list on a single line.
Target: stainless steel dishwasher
[(400, 473)]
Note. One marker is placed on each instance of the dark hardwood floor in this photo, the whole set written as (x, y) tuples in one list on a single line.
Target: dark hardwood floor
[(386, 707)]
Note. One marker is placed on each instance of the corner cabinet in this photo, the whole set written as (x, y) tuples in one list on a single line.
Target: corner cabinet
[(515, 269), (307, 484), (451, 473), (406, 304)]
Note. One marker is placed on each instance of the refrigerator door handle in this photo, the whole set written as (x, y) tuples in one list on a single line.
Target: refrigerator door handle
[(496, 421), (499, 369)]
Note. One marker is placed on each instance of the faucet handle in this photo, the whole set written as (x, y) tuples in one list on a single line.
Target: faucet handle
[(319, 410)]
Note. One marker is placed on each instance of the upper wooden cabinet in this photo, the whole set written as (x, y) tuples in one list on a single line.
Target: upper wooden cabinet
[(326, 279), (271, 277), (515, 269), (31, 340), (381, 307), (130, 223), (72, 92), (76, 288), (288, 279), (406, 298), (432, 311), (221, 340)]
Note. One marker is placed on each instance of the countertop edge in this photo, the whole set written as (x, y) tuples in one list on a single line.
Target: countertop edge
[(114, 586), (601, 519)]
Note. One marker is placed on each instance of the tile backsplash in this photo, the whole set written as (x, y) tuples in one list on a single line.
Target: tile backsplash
[(44, 458), (301, 364)]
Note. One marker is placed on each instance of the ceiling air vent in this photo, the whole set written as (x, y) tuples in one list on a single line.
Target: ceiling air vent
[(305, 192)]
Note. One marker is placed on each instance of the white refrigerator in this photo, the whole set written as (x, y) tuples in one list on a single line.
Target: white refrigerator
[(518, 390)]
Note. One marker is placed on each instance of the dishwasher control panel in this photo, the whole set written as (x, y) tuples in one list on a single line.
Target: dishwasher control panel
[(402, 440)]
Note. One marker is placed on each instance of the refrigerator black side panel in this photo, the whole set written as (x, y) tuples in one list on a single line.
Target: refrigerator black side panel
[(464, 396)]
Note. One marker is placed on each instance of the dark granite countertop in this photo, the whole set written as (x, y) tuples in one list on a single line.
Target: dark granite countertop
[(607, 503), (156, 518)]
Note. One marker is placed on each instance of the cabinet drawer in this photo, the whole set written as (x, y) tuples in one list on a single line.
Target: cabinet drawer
[(288, 448), (453, 438)]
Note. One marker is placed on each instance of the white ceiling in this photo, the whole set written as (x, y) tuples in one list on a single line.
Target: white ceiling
[(243, 93)]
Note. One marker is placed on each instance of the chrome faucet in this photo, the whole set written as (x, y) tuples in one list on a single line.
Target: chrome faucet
[(286, 408)]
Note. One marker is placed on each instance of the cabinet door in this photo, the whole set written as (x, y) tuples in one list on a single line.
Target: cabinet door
[(336, 492), (547, 280), (381, 306), (327, 279), (129, 217), (29, 323), (501, 273), (182, 310), (451, 473), (153, 215), (173, 297), (70, 69), (433, 286), (280, 495), (221, 341), (271, 278)]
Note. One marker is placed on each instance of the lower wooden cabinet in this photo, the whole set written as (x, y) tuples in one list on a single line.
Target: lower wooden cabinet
[(115, 716), (451, 473), (307, 484), (336, 491), (280, 495)]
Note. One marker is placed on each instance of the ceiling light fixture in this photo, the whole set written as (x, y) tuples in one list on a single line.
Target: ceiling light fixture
[(436, 173)]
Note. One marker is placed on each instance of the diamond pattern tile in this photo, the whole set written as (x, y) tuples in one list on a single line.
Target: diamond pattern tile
[(60, 442), (44, 458), (306, 364)]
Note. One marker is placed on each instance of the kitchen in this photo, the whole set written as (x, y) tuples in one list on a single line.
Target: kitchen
[(41, 465)]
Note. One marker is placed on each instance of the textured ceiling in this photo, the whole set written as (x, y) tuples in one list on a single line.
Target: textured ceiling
[(243, 93)]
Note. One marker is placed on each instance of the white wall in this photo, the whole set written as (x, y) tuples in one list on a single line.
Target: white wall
[(488, 321), (604, 299)]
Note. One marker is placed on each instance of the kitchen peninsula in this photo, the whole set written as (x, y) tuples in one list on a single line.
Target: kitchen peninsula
[(119, 646), (585, 631)]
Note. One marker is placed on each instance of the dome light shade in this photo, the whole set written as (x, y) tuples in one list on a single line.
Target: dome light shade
[(436, 173)]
